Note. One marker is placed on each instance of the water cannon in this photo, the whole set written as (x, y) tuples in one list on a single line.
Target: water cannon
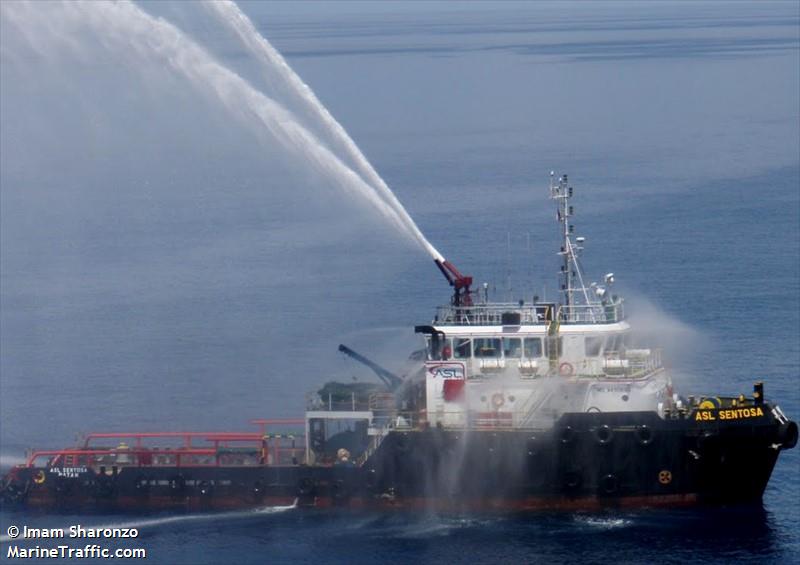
[(462, 292)]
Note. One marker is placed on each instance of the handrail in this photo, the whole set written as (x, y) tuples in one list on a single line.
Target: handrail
[(188, 436), (178, 453), (533, 314), (58, 453)]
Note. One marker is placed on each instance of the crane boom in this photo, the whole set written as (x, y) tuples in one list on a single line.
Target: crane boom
[(391, 380)]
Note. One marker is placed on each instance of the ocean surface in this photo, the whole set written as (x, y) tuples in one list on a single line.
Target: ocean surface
[(165, 265)]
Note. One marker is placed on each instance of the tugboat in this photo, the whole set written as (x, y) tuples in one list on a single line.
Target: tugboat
[(511, 406)]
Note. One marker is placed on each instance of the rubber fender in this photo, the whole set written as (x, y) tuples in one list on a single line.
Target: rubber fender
[(567, 434), (609, 484), (142, 484), (402, 443), (177, 483), (787, 434), (306, 486), (339, 490), (572, 479), (604, 434), (706, 440), (644, 434), (64, 486), (14, 492), (104, 488)]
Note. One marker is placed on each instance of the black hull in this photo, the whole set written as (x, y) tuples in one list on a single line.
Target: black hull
[(586, 461)]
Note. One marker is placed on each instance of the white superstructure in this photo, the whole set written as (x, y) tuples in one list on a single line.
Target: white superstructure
[(518, 365)]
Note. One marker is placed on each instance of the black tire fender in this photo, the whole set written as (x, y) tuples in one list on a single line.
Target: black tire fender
[(604, 434), (14, 492), (104, 487), (339, 490), (567, 434), (644, 434), (402, 443), (609, 484), (205, 489), (787, 434), (177, 484), (258, 489), (572, 479), (306, 486)]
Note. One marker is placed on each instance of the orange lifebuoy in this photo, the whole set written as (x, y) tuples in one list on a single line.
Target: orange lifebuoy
[(566, 370), (498, 400)]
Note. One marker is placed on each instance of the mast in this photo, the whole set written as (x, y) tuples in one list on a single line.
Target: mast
[(571, 276), (561, 192)]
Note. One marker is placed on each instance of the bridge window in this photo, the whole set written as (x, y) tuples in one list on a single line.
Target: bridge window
[(463, 348), (440, 350), (593, 345), (533, 347), (487, 347), (512, 347)]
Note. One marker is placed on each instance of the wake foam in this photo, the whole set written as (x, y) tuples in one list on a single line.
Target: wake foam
[(165, 520)]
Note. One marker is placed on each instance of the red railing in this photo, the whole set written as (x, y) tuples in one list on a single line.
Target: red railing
[(227, 449)]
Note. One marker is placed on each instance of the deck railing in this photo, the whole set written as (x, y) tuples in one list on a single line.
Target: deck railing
[(496, 313), (180, 449)]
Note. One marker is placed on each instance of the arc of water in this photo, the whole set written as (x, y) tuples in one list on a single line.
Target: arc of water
[(230, 14), (126, 22)]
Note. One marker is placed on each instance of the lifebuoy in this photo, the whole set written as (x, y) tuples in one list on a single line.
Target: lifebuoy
[(566, 369), (39, 477), (498, 400), (709, 403)]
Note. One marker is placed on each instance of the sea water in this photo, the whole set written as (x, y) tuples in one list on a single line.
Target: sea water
[(204, 294)]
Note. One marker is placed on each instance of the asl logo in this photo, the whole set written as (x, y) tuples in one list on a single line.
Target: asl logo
[(446, 370)]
